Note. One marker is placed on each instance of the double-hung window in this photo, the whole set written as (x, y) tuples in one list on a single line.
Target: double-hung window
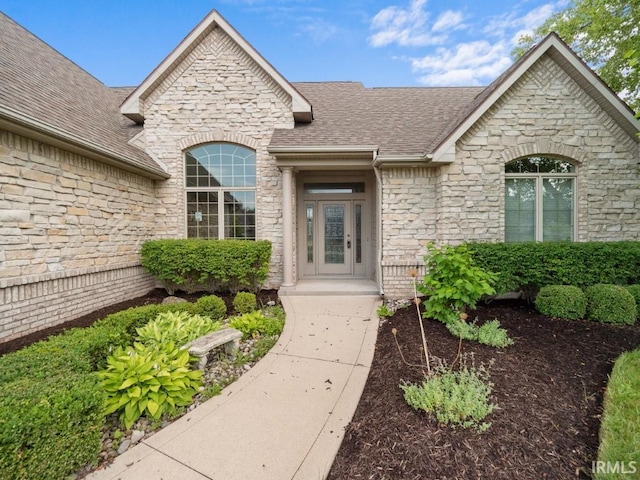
[(220, 184), (539, 200)]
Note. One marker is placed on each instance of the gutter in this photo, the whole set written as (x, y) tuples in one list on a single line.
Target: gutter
[(72, 142), (380, 277)]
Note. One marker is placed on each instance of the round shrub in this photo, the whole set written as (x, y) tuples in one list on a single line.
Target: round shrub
[(562, 301), (211, 306), (245, 302), (610, 304), (635, 291)]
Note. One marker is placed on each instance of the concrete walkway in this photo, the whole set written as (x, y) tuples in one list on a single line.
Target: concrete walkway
[(285, 418)]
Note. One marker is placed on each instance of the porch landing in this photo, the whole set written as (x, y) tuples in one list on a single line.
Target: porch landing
[(332, 287)]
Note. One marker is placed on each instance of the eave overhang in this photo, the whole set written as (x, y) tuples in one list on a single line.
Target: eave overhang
[(17, 122)]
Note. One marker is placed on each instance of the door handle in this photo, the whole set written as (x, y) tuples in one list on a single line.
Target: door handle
[(348, 243)]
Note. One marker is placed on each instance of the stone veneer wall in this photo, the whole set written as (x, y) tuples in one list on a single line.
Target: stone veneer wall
[(70, 229), (218, 93), (545, 112)]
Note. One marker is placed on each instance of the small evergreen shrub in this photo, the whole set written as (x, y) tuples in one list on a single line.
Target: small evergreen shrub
[(255, 324), (458, 398), (211, 306), (610, 304), (178, 328), (51, 426), (245, 302), (562, 301), (148, 381), (489, 333), (634, 290), (192, 264)]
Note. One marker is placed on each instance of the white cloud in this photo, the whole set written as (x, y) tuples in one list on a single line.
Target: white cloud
[(403, 26), (465, 64), (449, 20), (318, 30), (479, 60)]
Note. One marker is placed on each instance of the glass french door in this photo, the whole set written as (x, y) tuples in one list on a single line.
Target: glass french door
[(335, 242)]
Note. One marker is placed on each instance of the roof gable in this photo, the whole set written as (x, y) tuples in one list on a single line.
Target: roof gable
[(132, 106), (559, 52)]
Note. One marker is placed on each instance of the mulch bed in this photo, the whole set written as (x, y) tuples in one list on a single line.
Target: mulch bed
[(154, 296), (548, 386)]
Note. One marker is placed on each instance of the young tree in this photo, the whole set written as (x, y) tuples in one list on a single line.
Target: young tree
[(606, 34)]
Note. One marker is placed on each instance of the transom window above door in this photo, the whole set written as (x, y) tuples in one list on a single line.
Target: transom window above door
[(220, 184), (540, 200)]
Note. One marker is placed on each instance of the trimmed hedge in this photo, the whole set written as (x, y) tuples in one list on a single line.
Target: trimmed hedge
[(210, 265), (562, 301), (610, 304), (530, 266), (50, 427), (245, 302), (51, 405), (212, 306), (634, 290)]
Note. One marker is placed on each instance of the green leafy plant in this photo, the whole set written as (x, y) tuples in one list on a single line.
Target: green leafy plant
[(211, 306), (489, 333), (210, 265), (255, 323), (178, 328), (452, 283), (562, 301), (610, 304), (148, 381), (245, 302), (384, 312), (634, 290), (529, 266), (274, 311), (456, 398)]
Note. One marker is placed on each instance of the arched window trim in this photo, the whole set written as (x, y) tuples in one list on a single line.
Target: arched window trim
[(540, 179), (220, 191)]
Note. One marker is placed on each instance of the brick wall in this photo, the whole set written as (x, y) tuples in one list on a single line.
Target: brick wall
[(70, 230)]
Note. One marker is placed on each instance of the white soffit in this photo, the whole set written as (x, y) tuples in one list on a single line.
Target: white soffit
[(132, 105)]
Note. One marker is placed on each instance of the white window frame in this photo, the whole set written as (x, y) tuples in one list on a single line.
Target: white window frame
[(220, 191), (539, 207)]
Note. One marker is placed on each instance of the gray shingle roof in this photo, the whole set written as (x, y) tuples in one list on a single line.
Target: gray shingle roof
[(400, 121), (39, 83)]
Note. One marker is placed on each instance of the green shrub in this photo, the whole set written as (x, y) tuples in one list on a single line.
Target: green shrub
[(620, 427), (245, 302), (384, 312), (530, 266), (610, 304), (255, 324), (562, 301), (634, 290), (148, 381), (452, 282), (274, 311), (489, 333), (178, 328), (210, 265), (211, 306), (457, 398), (51, 426)]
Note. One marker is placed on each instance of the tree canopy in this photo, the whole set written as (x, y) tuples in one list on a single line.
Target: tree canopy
[(606, 34)]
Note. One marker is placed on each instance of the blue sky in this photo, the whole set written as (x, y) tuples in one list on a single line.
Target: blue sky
[(377, 42)]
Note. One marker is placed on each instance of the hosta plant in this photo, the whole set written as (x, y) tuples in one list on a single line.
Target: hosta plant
[(255, 324), (178, 328), (144, 381)]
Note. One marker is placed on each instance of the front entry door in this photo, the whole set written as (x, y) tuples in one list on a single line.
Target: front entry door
[(335, 242)]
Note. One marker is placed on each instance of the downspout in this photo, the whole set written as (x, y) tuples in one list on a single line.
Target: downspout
[(380, 278)]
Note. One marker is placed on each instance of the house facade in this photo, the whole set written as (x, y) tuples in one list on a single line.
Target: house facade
[(347, 182)]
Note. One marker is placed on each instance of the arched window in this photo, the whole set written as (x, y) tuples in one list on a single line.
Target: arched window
[(539, 200), (220, 183)]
